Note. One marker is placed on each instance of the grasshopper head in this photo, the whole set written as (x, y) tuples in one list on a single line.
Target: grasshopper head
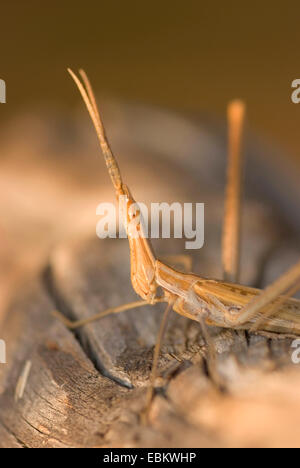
[(142, 259)]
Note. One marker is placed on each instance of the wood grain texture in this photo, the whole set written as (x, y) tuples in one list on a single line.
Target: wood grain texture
[(69, 402)]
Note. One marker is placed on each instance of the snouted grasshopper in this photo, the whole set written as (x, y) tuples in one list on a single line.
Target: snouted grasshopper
[(207, 301)]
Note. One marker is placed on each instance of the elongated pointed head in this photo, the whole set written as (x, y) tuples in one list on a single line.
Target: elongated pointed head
[(143, 262)]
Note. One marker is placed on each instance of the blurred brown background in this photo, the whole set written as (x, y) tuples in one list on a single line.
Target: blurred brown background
[(184, 55)]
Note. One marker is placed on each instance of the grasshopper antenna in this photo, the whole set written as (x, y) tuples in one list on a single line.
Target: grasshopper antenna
[(232, 218), (90, 93), (90, 102)]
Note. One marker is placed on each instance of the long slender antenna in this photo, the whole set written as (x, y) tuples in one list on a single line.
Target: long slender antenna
[(90, 102), (232, 218), (91, 95)]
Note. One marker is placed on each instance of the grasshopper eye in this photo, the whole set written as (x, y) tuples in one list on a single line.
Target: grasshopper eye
[(133, 214)]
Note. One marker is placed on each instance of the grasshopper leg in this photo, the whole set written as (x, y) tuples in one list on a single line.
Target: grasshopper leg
[(112, 310), (160, 336), (269, 300)]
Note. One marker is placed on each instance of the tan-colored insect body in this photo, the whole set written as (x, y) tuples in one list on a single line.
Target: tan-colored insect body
[(216, 302), (220, 303)]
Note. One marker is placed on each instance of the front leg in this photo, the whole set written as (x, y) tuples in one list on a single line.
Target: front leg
[(112, 310), (200, 310)]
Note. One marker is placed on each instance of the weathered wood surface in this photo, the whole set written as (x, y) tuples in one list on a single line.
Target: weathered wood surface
[(87, 388), (68, 401)]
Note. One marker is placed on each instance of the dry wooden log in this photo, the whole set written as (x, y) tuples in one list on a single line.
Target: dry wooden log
[(68, 401)]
